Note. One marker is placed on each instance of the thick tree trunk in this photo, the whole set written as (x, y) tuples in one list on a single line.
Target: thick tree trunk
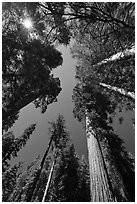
[(48, 182), (100, 186), (130, 95), (101, 174)]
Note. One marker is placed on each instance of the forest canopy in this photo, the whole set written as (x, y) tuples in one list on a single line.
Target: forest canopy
[(103, 36)]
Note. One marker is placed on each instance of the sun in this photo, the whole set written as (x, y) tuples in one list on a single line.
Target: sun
[(27, 23)]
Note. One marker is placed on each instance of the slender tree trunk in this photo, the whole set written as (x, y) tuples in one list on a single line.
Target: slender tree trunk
[(130, 95), (48, 182), (101, 190), (127, 52), (39, 171), (119, 55)]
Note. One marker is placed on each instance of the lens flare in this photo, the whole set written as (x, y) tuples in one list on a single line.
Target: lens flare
[(27, 23)]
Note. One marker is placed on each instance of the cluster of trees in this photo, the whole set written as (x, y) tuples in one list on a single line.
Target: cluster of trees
[(117, 160), (104, 35), (59, 176), (105, 73), (30, 56)]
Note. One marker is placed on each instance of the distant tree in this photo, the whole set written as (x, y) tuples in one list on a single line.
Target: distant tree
[(69, 174), (49, 181), (68, 178), (24, 180), (65, 183), (11, 145), (58, 136)]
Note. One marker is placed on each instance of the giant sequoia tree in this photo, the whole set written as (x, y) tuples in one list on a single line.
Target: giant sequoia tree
[(105, 74), (27, 63), (102, 31), (108, 26), (104, 146)]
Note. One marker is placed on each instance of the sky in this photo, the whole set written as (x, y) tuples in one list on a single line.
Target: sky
[(39, 139)]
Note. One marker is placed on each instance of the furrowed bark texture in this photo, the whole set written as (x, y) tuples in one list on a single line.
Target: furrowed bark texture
[(100, 186)]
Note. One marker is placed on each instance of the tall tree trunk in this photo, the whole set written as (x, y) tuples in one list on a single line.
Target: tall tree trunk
[(130, 95), (100, 187), (49, 181), (39, 171)]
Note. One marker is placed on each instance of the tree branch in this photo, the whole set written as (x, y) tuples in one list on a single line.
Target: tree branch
[(16, 108)]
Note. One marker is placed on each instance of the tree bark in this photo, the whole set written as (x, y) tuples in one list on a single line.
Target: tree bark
[(130, 95), (100, 188), (119, 55), (48, 182)]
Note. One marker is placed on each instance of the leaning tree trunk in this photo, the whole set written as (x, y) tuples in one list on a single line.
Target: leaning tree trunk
[(48, 182), (100, 185), (121, 91), (39, 170)]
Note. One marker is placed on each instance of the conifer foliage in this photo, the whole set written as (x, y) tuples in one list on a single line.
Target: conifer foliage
[(104, 34), (27, 62), (69, 180), (11, 145), (9, 180)]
